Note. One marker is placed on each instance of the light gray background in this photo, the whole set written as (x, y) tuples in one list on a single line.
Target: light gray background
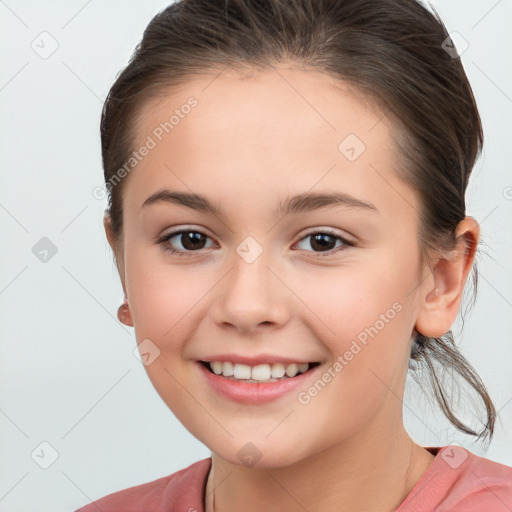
[(68, 375)]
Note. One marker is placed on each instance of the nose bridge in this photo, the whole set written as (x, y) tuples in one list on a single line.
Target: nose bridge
[(251, 294), (250, 277)]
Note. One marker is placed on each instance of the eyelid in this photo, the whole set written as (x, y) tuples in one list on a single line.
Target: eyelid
[(163, 241), (346, 243), (180, 229), (330, 231), (349, 239)]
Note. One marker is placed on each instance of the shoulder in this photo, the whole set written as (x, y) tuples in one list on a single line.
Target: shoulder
[(460, 481), (481, 484), (184, 489)]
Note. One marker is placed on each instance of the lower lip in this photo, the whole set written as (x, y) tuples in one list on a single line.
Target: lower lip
[(246, 393)]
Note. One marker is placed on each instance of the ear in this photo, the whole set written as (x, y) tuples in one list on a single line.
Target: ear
[(124, 314), (442, 292), (107, 224)]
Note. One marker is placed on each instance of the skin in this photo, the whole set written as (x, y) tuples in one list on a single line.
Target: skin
[(253, 140)]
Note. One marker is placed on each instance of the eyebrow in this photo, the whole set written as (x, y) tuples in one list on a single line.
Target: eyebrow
[(294, 204)]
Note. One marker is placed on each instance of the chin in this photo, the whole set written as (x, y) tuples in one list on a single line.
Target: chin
[(258, 455)]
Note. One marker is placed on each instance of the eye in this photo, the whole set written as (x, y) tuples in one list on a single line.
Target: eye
[(193, 240), (325, 242), (190, 239)]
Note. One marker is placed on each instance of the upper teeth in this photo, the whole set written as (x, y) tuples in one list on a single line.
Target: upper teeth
[(258, 372)]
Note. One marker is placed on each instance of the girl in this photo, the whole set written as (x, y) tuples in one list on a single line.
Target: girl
[(287, 213)]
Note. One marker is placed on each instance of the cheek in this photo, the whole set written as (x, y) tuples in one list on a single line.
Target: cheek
[(163, 299), (364, 321), (356, 302), (363, 315), (163, 296)]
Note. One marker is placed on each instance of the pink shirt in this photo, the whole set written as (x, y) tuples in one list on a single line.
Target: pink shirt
[(456, 481)]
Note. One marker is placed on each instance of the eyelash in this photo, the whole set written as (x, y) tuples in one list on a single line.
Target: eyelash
[(164, 242)]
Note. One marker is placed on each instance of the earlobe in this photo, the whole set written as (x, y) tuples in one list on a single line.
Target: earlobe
[(123, 313), (442, 295)]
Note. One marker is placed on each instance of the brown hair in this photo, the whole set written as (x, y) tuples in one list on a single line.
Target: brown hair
[(391, 50)]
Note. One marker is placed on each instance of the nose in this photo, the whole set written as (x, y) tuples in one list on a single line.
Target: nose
[(252, 294)]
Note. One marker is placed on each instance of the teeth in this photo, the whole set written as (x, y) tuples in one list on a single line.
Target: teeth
[(258, 373), (278, 370), (216, 366), (227, 369), (242, 371), (303, 367), (292, 370)]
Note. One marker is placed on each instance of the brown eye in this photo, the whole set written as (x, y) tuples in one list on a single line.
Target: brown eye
[(325, 242), (322, 242), (190, 241)]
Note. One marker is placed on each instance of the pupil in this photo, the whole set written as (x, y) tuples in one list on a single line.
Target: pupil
[(193, 240), (320, 240), (190, 239)]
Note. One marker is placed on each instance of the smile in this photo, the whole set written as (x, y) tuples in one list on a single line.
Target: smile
[(259, 373), (255, 385)]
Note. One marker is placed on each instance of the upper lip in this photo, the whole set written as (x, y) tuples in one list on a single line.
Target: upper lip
[(254, 360)]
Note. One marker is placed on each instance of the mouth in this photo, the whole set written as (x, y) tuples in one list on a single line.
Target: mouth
[(258, 374)]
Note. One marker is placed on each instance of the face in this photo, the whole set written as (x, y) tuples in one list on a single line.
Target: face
[(318, 282)]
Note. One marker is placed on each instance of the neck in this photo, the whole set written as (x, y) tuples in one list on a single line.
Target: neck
[(363, 476)]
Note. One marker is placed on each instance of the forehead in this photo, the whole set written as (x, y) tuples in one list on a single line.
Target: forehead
[(279, 128), (264, 100)]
